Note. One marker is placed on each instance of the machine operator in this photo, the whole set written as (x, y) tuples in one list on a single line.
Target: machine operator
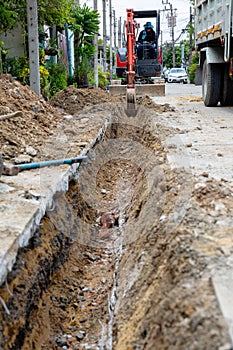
[(146, 35)]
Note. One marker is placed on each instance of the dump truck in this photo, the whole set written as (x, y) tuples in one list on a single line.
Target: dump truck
[(214, 41), (143, 75)]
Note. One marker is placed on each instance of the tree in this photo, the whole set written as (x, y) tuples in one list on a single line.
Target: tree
[(167, 54), (51, 12), (85, 25), (8, 15), (55, 12)]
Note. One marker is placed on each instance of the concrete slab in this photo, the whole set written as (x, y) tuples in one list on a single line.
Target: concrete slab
[(141, 90), (223, 285)]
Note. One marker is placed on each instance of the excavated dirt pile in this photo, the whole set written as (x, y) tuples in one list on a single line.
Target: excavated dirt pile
[(24, 132), (27, 121), (122, 260)]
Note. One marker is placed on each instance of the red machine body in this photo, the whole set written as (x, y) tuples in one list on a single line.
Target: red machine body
[(121, 62), (131, 40)]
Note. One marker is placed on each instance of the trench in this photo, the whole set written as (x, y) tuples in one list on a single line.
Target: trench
[(102, 269)]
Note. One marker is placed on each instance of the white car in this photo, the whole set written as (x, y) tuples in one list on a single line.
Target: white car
[(177, 75)]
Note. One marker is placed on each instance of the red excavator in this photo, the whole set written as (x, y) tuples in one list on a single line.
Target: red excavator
[(141, 70)]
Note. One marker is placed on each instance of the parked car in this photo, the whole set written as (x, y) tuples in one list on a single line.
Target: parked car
[(165, 74), (177, 75)]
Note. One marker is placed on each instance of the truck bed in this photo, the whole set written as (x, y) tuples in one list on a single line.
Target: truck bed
[(212, 20)]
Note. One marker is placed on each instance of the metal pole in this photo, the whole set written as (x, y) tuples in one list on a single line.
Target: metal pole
[(104, 37), (173, 39), (96, 76), (119, 32), (110, 16), (114, 27), (33, 45), (191, 35), (68, 45)]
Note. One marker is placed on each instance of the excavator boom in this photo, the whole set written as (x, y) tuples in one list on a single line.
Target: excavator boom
[(130, 61)]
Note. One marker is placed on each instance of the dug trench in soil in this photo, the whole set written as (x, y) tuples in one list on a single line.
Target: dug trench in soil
[(109, 267)]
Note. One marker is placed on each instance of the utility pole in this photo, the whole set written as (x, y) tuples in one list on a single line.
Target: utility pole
[(110, 16), (96, 76), (119, 33), (115, 40), (104, 37), (190, 35), (114, 28), (33, 45), (171, 24)]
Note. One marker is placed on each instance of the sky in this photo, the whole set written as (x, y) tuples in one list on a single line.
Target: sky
[(120, 6)]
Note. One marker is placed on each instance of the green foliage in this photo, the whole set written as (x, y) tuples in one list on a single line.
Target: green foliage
[(167, 54), (52, 79), (8, 15), (81, 71), (193, 67), (85, 22), (102, 78), (55, 12), (192, 72), (57, 77), (18, 68), (85, 25), (51, 12)]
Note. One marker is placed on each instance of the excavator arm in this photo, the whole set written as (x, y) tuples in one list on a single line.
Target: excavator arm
[(130, 61)]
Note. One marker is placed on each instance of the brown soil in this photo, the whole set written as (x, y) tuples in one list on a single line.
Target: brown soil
[(123, 261), (72, 100)]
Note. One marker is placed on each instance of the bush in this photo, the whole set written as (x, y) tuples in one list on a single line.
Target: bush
[(192, 72), (193, 67), (102, 78), (52, 78), (58, 77)]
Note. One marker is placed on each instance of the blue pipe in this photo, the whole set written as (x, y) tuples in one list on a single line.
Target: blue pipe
[(30, 166)]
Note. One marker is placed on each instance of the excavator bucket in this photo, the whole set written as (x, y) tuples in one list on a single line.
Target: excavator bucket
[(156, 89), (131, 108)]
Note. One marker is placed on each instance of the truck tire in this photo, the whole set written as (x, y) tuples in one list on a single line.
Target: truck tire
[(211, 83), (226, 98)]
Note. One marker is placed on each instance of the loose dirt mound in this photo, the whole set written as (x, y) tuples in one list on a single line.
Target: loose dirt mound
[(72, 99), (146, 101), (30, 128), (190, 99), (26, 132)]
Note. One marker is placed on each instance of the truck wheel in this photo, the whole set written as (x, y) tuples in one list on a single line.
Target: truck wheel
[(226, 98), (211, 82)]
